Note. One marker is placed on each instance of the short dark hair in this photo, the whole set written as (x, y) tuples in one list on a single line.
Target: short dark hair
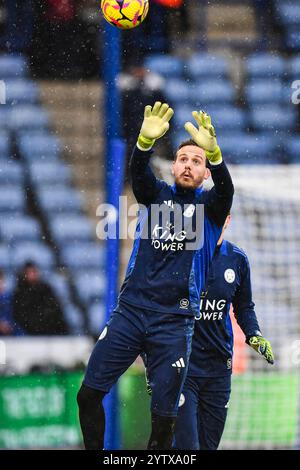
[(184, 144)]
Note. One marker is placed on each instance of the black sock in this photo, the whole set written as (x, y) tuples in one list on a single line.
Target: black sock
[(92, 417), (162, 432)]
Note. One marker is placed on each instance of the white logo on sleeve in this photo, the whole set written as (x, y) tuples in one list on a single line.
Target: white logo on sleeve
[(229, 275), (180, 363), (103, 334)]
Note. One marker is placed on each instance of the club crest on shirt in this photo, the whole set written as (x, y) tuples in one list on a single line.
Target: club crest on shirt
[(189, 211), (229, 275), (181, 400)]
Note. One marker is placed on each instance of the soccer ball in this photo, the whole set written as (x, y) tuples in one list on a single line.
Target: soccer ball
[(125, 14)]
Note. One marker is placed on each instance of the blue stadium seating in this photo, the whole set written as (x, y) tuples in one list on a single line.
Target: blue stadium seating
[(96, 314), (293, 39), (83, 256), (264, 91), (224, 117), (28, 117), (11, 172), (213, 91), (5, 262), (38, 146), (21, 92), (251, 148), (207, 66), (70, 227), (289, 12), (5, 112), (167, 65), (90, 285), (20, 228), (59, 199), (292, 147), (13, 66), (4, 144), (12, 198), (295, 67), (177, 90), (74, 319), (43, 173), (38, 252), (265, 65), (273, 118)]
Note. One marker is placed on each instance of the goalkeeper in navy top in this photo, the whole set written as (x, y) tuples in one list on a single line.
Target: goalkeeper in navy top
[(177, 233), (204, 400)]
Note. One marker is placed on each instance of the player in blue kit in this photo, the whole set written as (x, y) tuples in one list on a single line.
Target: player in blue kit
[(204, 400), (176, 237)]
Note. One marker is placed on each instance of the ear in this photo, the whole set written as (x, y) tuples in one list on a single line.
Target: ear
[(207, 173)]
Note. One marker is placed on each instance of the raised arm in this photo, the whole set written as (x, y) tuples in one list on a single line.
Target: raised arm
[(219, 198), (243, 307), (145, 186)]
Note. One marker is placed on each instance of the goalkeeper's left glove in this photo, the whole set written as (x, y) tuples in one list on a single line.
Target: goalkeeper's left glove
[(262, 346), (205, 136)]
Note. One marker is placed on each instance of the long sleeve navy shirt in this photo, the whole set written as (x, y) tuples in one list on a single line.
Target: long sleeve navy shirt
[(164, 274), (228, 282)]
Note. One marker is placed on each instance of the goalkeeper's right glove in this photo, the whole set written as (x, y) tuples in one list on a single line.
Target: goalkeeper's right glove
[(205, 136), (155, 124)]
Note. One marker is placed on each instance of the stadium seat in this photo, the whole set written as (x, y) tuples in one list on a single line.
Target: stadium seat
[(177, 90), (96, 314), (228, 117), (265, 65), (5, 112), (21, 92), (264, 91), (65, 228), (91, 286), (212, 91), (38, 146), (289, 13), (5, 263), (62, 199), (248, 148), (74, 319), (207, 65), (295, 67), (4, 145), (28, 117), (39, 253), (292, 146), (12, 198), (43, 173), (166, 65), (13, 66), (83, 256), (11, 173), (272, 118), (293, 39), (20, 228)]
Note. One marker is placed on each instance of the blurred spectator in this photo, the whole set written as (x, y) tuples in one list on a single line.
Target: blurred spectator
[(6, 320), (62, 45), (140, 87), (35, 306)]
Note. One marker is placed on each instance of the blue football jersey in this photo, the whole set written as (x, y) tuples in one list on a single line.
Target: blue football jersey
[(171, 257), (228, 282)]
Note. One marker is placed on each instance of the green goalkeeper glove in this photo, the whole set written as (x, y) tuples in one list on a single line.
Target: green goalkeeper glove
[(155, 124), (205, 136), (263, 347)]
